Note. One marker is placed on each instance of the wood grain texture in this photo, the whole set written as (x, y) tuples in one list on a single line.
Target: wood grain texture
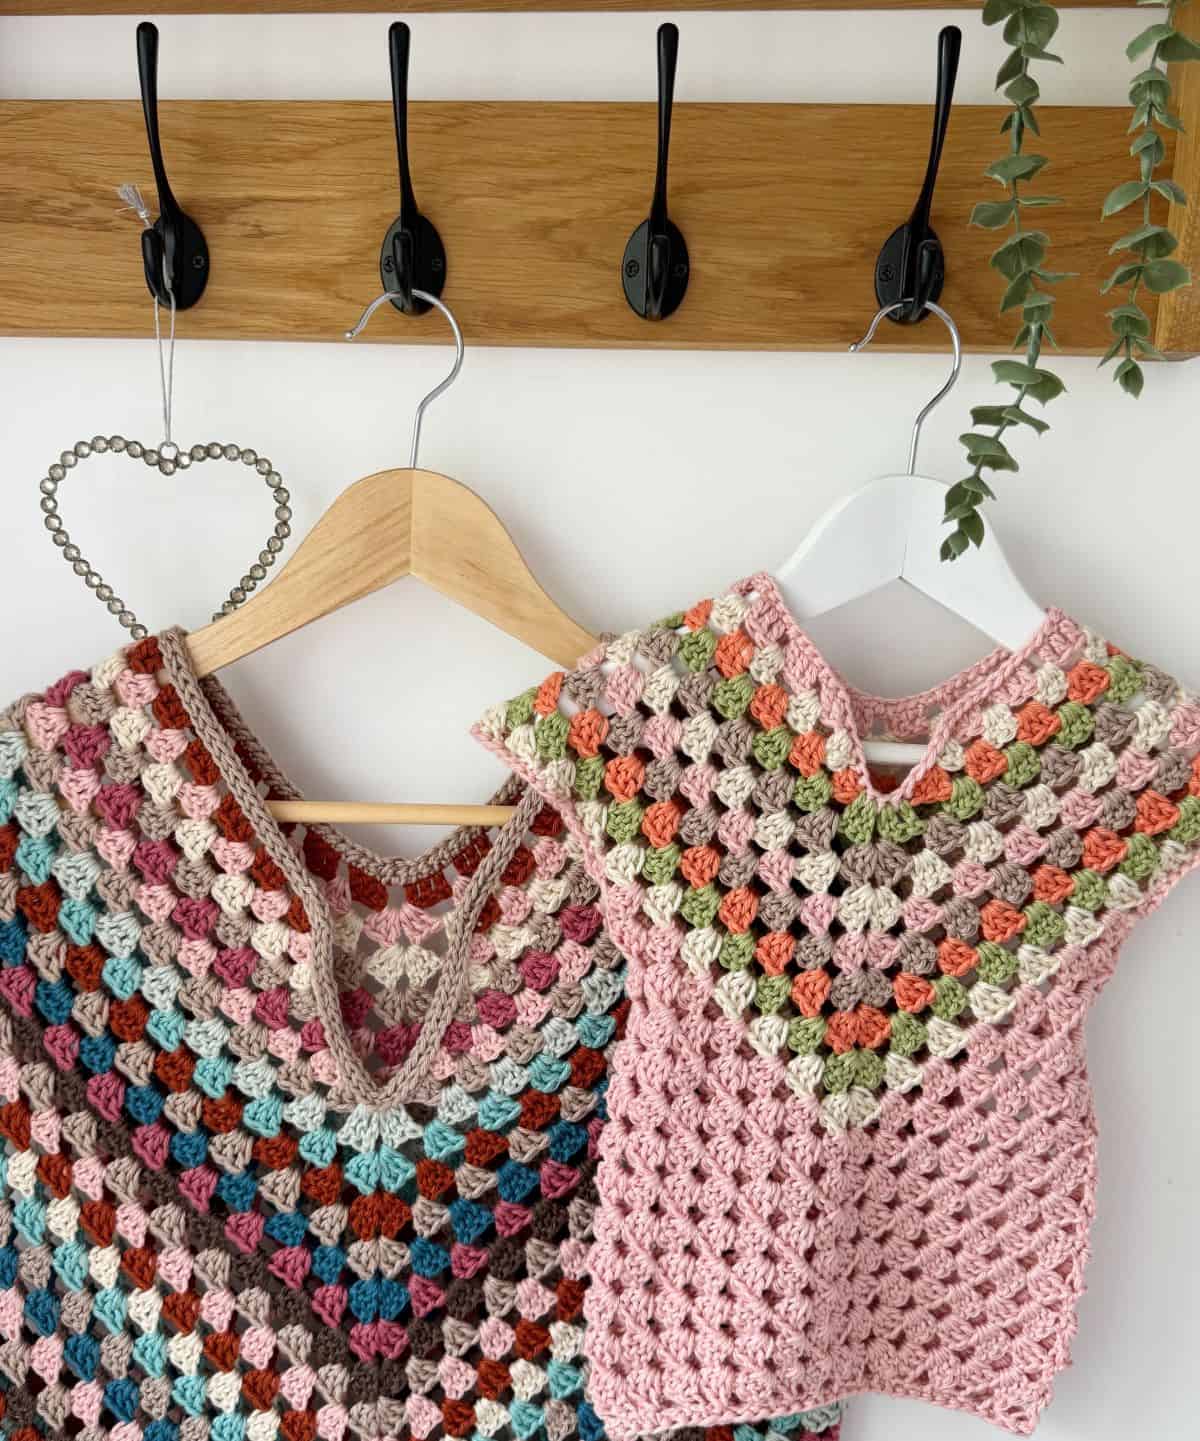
[(783, 206), (399, 7), (343, 813), (382, 528), (1177, 331)]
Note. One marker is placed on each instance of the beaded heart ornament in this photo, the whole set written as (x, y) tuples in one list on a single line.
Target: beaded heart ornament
[(168, 458)]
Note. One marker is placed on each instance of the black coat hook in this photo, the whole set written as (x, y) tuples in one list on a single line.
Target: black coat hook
[(912, 266), (413, 256), (174, 251), (654, 270)]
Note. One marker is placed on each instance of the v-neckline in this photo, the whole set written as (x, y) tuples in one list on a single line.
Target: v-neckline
[(843, 705), (218, 724)]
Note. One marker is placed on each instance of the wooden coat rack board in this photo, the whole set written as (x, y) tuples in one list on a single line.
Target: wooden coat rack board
[(535, 202)]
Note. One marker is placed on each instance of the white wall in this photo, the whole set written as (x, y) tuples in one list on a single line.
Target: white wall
[(634, 483)]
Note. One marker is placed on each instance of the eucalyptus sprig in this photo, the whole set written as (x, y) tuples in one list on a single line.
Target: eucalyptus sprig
[(1151, 245), (1029, 26)]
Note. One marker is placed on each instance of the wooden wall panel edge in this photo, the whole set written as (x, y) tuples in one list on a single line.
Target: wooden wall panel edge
[(1177, 330)]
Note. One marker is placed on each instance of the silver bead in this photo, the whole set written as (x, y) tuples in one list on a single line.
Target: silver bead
[(150, 456), (227, 607), (258, 571), (138, 631), (281, 494), (237, 595), (213, 450), (53, 522), (49, 505), (82, 449), (282, 531), (92, 578), (283, 512), (274, 544), (60, 539), (115, 605), (58, 472), (70, 552), (69, 459), (99, 444), (248, 583), (249, 457), (135, 448), (117, 443), (104, 592), (48, 486), (197, 452), (274, 478), (80, 566), (262, 465), (185, 461), (265, 558), (127, 619), (167, 467), (231, 452)]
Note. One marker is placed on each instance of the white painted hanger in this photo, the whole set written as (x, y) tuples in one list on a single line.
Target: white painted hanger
[(890, 530)]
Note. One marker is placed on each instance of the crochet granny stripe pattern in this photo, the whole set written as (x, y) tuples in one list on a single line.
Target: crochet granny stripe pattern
[(299, 1142), (851, 1143)]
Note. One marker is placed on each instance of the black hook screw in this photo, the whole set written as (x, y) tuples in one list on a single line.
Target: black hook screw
[(174, 251), (654, 271), (413, 256), (912, 265)]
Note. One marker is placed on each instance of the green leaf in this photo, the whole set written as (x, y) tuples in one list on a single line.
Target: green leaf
[(1149, 144), (1032, 201), (1122, 195), (1122, 275), (1014, 372), (1160, 276), (1167, 120), (1179, 47), (953, 546), (1021, 252), (1129, 320), (1035, 52), (1171, 190), (1150, 36), (996, 10), (1149, 241), (978, 445), (1015, 167), (987, 415), (1144, 347), (1030, 119), (993, 214), (1022, 336), (1047, 388), (1010, 69), (978, 487), (1023, 90), (1151, 87), (1115, 348), (972, 527), (1017, 416), (1050, 277), (1037, 307), (1129, 377), (1017, 291)]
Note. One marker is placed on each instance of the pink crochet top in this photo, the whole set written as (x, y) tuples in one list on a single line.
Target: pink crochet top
[(851, 1142)]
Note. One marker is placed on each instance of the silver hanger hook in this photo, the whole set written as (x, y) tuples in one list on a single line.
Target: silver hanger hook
[(923, 413), (442, 385)]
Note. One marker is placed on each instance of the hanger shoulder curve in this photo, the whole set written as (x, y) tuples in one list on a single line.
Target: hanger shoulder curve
[(891, 529), (360, 544), (386, 526), (461, 548)]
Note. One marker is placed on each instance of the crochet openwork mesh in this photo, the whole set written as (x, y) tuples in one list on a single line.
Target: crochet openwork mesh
[(851, 1143), (298, 1142)]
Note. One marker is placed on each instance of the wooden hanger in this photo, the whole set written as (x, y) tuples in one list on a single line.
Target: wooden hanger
[(389, 525), (890, 530)]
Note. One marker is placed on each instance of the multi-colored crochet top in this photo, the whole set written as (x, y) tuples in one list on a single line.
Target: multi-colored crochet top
[(299, 1142), (850, 1142)]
